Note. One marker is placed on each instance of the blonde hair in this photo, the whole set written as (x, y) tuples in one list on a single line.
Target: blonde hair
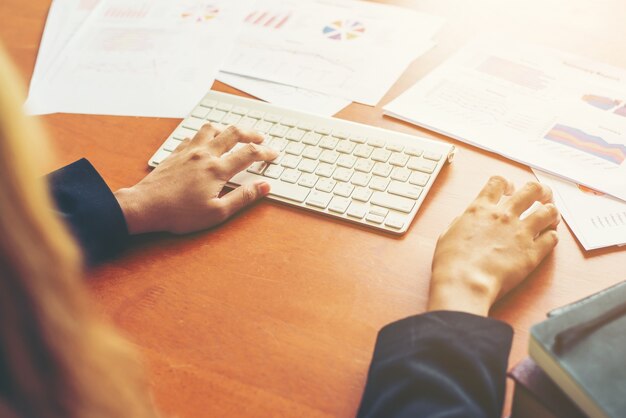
[(57, 359)]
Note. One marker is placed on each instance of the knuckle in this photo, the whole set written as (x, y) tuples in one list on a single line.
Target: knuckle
[(534, 187), (248, 195), (251, 150), (497, 180), (233, 130)]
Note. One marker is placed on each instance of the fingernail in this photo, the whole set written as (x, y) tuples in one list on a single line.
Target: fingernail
[(263, 188)]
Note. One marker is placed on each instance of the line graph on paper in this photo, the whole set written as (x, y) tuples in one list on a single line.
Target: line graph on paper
[(587, 143)]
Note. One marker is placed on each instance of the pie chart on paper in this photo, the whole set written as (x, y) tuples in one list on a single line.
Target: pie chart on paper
[(344, 30)]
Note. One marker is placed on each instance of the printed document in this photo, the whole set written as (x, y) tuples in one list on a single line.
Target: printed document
[(286, 96), (140, 57), (355, 50), (597, 220), (554, 111)]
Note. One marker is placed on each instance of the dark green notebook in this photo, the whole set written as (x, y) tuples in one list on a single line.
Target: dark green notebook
[(582, 347)]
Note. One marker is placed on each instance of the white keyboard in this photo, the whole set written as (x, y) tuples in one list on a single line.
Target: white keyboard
[(343, 169)]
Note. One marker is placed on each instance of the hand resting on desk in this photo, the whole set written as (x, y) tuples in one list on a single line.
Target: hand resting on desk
[(489, 250), (181, 195)]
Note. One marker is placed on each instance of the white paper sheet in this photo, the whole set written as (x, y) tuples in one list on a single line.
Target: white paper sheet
[(551, 110), (597, 220), (350, 49), (141, 58), (286, 96)]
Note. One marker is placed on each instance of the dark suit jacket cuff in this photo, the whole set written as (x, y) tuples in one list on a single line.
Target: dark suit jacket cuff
[(90, 210)]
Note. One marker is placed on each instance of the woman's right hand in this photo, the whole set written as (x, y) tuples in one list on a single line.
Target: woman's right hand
[(489, 250)]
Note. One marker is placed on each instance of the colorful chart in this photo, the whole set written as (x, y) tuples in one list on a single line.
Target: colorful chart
[(341, 30), (268, 19), (591, 144), (200, 13), (621, 111), (604, 103), (513, 72)]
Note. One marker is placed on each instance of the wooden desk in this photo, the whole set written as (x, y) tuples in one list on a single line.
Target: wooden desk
[(276, 312)]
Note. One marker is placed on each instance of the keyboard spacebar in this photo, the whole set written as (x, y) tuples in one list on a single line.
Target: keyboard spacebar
[(278, 188)]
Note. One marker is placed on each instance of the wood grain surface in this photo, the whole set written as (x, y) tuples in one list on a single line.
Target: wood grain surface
[(275, 313)]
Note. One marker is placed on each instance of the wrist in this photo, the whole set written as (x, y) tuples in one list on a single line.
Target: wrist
[(135, 211), (461, 292)]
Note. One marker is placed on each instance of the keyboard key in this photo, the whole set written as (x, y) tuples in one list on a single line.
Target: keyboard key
[(160, 156), (364, 166), (377, 219), (323, 130), (379, 211), (200, 112), (311, 152), (279, 130), (247, 122), (342, 174), (308, 180), (343, 189), (379, 183), (394, 222), (419, 179), (381, 169), (376, 143), (258, 167), (256, 114), (273, 171), (405, 190), (183, 133), (208, 103), (325, 170), (400, 174), (363, 151), (306, 126), (381, 155), (401, 204), (194, 123), (328, 142), (290, 161), (307, 166), (345, 147), (231, 119), (295, 148), (290, 176), (362, 194), (325, 185), (399, 160), (263, 126), (291, 122), (413, 151), (395, 147), (357, 210), (224, 106), (434, 156), (216, 115), (360, 179), (288, 191), (240, 110), (359, 139), (319, 199), (425, 166), (272, 117), (339, 204), (311, 138), (171, 144), (329, 156), (278, 144), (346, 161), (295, 134), (340, 134)]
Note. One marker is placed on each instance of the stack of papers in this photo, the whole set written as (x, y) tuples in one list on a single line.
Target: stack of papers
[(158, 57), (556, 112)]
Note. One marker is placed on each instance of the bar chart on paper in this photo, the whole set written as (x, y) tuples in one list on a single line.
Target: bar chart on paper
[(268, 19)]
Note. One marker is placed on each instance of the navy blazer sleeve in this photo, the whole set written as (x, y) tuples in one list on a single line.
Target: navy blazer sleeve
[(90, 210), (439, 364)]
